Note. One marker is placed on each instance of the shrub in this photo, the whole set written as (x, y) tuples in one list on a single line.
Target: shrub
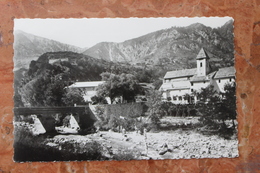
[(125, 155), (113, 123), (98, 100), (226, 132), (33, 148), (108, 120)]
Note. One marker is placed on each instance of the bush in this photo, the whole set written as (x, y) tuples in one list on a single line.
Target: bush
[(98, 100), (226, 132), (177, 110), (108, 120), (125, 155), (26, 145), (33, 148), (113, 123)]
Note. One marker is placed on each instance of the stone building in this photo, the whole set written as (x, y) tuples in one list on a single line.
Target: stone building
[(89, 88), (177, 85)]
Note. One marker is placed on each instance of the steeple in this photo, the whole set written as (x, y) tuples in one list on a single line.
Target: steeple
[(202, 59), (202, 54)]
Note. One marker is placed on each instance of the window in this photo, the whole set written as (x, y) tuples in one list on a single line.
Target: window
[(201, 64), (191, 83), (180, 98), (174, 98), (204, 81), (191, 90), (219, 81), (230, 79)]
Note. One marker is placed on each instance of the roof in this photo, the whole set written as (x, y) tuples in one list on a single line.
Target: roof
[(196, 78), (202, 54), (169, 86), (225, 72), (86, 84), (180, 73), (175, 86)]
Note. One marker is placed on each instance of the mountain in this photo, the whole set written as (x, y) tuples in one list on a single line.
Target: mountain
[(28, 47), (173, 48), (54, 71)]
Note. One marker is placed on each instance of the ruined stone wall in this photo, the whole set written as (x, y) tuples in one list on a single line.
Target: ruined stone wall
[(125, 110)]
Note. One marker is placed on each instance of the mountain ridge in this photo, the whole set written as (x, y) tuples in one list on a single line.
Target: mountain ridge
[(171, 48), (175, 44), (28, 47)]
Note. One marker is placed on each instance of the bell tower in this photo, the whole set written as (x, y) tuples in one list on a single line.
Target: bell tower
[(202, 59)]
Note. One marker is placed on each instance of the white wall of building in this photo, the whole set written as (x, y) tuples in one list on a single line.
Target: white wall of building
[(198, 85), (177, 96), (182, 86), (177, 88), (51, 61), (219, 84), (88, 94)]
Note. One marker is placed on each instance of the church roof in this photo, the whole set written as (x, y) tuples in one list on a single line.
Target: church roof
[(196, 78), (225, 72), (176, 86), (202, 54), (180, 73)]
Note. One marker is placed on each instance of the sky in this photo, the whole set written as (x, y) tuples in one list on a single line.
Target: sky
[(87, 32)]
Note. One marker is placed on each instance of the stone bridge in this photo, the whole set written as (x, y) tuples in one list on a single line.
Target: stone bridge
[(49, 116)]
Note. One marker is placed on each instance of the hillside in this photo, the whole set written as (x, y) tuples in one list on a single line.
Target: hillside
[(28, 47), (53, 71), (44, 82), (175, 47)]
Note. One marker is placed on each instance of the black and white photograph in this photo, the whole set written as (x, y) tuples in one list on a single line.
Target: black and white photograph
[(96, 89)]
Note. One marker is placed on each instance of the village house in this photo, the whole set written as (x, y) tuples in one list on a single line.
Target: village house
[(52, 61), (179, 86), (89, 88)]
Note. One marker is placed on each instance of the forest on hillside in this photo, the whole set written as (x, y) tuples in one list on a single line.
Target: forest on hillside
[(44, 82)]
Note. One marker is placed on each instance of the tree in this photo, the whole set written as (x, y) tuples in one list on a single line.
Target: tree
[(18, 100), (72, 96), (98, 100), (207, 108), (228, 109), (55, 91), (217, 108), (154, 103), (157, 83), (208, 94), (123, 85), (49, 89)]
